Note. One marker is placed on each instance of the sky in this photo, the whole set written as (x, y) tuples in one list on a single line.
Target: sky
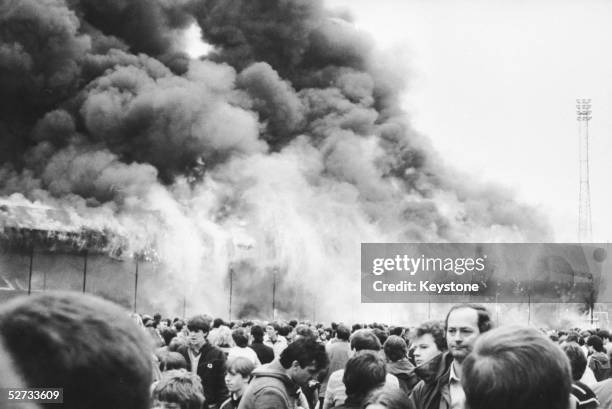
[(493, 84)]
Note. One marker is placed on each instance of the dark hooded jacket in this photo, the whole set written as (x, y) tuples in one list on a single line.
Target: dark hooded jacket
[(433, 391), (211, 370), (404, 371), (270, 388)]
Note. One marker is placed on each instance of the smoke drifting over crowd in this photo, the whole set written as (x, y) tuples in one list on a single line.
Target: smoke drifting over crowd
[(275, 155)]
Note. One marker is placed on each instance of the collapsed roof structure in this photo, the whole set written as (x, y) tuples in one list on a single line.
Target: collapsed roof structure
[(54, 230)]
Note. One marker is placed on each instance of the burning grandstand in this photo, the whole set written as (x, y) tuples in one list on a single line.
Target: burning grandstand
[(42, 248), (260, 166)]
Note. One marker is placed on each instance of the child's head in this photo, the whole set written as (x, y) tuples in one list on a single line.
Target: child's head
[(178, 389), (238, 373)]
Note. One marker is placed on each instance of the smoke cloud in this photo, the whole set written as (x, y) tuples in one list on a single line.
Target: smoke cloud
[(262, 165)]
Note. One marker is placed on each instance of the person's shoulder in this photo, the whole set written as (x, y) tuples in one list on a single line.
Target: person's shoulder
[(213, 352), (338, 346), (266, 388), (336, 375), (604, 386), (182, 349)]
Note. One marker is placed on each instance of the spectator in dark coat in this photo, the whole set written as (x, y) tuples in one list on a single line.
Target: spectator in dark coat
[(396, 353), (205, 360), (264, 352)]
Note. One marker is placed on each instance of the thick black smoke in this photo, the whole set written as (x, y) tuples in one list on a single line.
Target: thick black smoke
[(283, 148)]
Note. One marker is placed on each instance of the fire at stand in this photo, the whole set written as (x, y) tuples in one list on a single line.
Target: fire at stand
[(42, 241), (292, 123)]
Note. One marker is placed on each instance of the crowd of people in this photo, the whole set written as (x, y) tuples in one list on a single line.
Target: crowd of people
[(103, 357)]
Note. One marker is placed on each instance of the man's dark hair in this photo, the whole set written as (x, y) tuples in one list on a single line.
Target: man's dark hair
[(343, 332), (381, 334), (285, 330), (595, 342), (363, 373), (88, 346), (293, 323), (396, 331), (604, 334), (240, 337), (356, 327), (218, 322), (306, 351), (514, 367), (436, 330), (199, 322), (578, 361), (167, 334), (484, 316), (258, 333), (365, 339), (275, 325), (305, 331), (179, 324), (395, 348)]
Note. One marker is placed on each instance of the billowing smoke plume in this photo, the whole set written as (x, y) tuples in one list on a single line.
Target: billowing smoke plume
[(265, 163)]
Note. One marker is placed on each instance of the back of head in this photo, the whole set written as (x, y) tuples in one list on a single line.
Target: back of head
[(516, 367), (257, 332), (180, 387), (364, 339), (389, 398), (595, 342), (284, 330), (574, 337), (304, 331), (343, 332), (88, 346), (167, 334), (381, 334), (240, 337), (221, 337), (399, 331), (306, 351), (363, 373), (173, 360), (395, 348), (178, 325), (578, 361), (603, 334)]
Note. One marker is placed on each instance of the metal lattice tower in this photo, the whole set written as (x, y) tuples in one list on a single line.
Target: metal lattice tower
[(583, 111)]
